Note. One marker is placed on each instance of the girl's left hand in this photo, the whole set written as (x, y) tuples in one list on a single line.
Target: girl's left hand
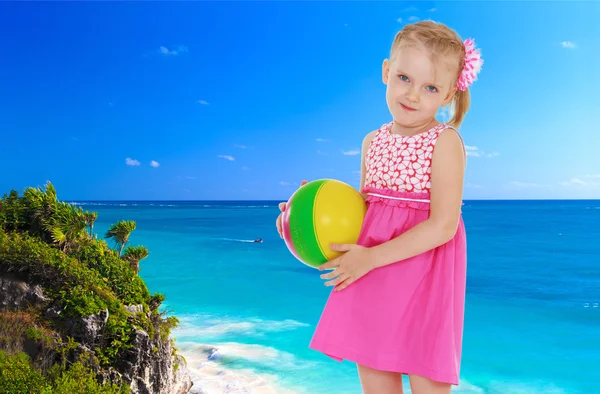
[(349, 267)]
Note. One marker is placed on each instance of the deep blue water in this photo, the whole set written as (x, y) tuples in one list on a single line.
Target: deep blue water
[(532, 316)]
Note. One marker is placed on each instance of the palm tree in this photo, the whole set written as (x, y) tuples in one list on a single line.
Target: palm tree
[(120, 233), (90, 219), (40, 206), (134, 254), (66, 226)]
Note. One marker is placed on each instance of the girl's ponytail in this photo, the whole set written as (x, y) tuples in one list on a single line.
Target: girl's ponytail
[(461, 103)]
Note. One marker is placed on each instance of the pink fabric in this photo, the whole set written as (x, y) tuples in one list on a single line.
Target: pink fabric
[(407, 316)]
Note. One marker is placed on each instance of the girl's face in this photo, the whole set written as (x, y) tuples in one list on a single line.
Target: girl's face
[(416, 87)]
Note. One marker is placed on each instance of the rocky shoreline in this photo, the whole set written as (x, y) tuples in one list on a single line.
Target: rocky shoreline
[(150, 367)]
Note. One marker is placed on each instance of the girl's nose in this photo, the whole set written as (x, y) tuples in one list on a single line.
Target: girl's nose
[(412, 95)]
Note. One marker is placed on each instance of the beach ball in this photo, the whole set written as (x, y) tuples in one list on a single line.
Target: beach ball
[(320, 213)]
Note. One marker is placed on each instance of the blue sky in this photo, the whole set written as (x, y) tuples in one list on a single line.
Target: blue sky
[(243, 100)]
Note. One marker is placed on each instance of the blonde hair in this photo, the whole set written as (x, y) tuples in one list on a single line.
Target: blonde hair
[(442, 42)]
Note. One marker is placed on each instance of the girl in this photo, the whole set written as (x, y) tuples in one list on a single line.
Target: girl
[(398, 301)]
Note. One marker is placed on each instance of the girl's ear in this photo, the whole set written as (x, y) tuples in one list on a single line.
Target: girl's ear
[(385, 71), (450, 96)]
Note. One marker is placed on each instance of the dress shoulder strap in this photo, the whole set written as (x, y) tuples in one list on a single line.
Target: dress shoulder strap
[(384, 130)]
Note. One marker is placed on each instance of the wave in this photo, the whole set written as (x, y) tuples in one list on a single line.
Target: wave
[(226, 366), (229, 367), (211, 374), (201, 325)]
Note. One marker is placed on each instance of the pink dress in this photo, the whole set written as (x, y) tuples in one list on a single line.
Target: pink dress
[(407, 316)]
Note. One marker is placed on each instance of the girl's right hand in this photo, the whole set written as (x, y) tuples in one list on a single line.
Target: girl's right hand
[(282, 206)]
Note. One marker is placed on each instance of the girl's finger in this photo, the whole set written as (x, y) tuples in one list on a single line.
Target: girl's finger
[(332, 274), (343, 284), (337, 281)]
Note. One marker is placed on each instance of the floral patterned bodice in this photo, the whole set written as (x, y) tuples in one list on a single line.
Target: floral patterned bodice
[(401, 163)]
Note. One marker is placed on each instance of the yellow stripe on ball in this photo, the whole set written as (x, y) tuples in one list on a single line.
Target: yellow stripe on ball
[(338, 216)]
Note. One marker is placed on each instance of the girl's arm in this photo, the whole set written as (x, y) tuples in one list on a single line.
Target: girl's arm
[(447, 177), (363, 168)]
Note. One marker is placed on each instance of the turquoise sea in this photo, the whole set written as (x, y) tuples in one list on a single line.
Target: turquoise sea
[(248, 310)]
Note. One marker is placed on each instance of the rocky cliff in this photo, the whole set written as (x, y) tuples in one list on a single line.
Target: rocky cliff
[(149, 367), (75, 315)]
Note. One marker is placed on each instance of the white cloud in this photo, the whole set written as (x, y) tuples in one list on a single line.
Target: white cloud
[(154, 164), (163, 50), (202, 102), (473, 151), (321, 152), (322, 140), (245, 168), (568, 44), (351, 152), (227, 157), (578, 181), (583, 183), (240, 146), (432, 10), (445, 113), (473, 185), (282, 183), (586, 182), (132, 162), (411, 18)]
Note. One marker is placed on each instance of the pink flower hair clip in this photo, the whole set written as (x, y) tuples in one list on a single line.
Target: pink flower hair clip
[(473, 63)]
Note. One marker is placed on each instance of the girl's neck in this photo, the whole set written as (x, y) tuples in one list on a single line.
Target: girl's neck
[(411, 131)]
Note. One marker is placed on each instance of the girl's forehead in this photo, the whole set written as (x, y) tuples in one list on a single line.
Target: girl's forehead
[(420, 64)]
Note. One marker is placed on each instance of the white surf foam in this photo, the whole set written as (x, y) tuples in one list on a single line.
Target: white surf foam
[(208, 325), (208, 365), (227, 367)]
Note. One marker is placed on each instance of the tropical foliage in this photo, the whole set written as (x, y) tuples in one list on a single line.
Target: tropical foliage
[(52, 243)]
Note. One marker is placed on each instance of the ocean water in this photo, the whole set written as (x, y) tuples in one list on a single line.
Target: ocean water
[(248, 310)]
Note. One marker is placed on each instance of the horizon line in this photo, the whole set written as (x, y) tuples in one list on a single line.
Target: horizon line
[(280, 200)]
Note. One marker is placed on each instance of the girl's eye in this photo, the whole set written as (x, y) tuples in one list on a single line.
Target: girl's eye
[(403, 77), (432, 88)]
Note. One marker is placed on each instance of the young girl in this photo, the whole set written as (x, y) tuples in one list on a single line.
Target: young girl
[(398, 301)]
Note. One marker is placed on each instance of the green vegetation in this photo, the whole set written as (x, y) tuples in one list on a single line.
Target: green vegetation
[(51, 243)]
